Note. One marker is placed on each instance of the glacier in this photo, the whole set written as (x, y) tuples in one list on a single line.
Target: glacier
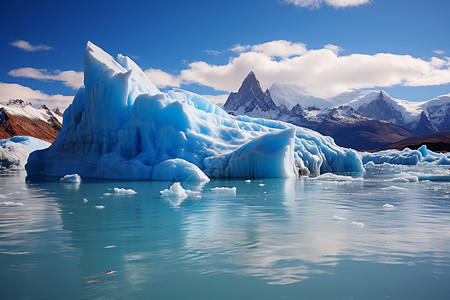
[(121, 126)]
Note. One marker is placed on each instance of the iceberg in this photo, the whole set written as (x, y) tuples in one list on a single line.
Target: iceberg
[(14, 151), (120, 126)]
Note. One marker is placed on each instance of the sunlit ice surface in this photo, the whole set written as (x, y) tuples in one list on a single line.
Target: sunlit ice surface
[(381, 234)]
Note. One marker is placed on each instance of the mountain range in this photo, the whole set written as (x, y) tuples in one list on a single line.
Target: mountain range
[(362, 119)]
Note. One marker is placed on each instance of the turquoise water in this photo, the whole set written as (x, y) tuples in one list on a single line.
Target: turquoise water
[(275, 239)]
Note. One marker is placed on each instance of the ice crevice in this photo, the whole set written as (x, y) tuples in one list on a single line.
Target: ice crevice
[(120, 126)]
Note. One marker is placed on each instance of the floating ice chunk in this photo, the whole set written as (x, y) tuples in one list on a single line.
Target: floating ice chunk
[(229, 190), (404, 177), (110, 272), (248, 181), (120, 191), (335, 177), (10, 203), (85, 200), (388, 206), (99, 207), (337, 218), (71, 178), (394, 188), (358, 224), (175, 191)]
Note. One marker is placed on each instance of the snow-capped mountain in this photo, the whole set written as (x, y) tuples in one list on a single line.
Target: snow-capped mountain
[(18, 117), (251, 100), (417, 117), (290, 95), (345, 124)]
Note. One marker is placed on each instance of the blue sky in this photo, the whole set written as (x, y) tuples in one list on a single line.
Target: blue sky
[(326, 46)]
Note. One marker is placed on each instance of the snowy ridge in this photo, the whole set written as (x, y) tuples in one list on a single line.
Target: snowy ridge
[(289, 95), (21, 108), (121, 126)]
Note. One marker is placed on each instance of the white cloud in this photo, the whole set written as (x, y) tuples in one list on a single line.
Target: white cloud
[(69, 78), (439, 52), (332, 3), (28, 47), (280, 48), (16, 91), (321, 71), (162, 79)]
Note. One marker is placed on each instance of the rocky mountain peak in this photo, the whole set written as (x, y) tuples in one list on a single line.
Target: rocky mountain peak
[(18, 102), (250, 99)]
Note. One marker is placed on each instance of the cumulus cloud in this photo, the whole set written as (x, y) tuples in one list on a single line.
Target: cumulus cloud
[(69, 78), (332, 3), (24, 45), (322, 71), (162, 79), (16, 91)]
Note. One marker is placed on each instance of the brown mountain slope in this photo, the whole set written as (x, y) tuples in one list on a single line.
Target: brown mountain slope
[(437, 141), (20, 118)]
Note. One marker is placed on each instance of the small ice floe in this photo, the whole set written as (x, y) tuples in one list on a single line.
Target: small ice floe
[(110, 272), (16, 253), (229, 190), (358, 224), (71, 178), (261, 184), (331, 177), (10, 203), (110, 246), (388, 206), (248, 181), (85, 200), (174, 191), (119, 191), (92, 281), (337, 218), (404, 177), (99, 207), (394, 188)]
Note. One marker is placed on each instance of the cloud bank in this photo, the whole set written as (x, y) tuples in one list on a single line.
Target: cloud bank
[(16, 91), (69, 78), (323, 72)]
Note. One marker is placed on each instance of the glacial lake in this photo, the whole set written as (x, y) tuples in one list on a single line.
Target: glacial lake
[(305, 238)]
